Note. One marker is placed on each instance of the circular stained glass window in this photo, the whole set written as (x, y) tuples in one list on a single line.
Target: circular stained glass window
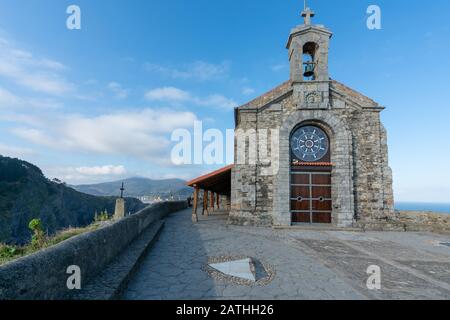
[(309, 143)]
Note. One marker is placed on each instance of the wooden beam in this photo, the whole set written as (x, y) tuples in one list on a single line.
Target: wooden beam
[(218, 201), (205, 203), (211, 199), (194, 209)]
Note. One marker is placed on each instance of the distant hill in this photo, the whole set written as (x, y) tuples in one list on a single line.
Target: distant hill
[(25, 194), (139, 187)]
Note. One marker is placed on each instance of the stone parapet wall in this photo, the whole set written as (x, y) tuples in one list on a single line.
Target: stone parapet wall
[(411, 221), (425, 221), (43, 275)]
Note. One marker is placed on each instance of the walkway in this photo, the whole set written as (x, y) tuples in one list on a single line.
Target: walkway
[(308, 264)]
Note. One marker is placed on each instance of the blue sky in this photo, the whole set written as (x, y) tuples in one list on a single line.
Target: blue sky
[(100, 103)]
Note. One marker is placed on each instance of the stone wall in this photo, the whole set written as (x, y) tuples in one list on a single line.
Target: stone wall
[(410, 221), (43, 275), (362, 178), (425, 221)]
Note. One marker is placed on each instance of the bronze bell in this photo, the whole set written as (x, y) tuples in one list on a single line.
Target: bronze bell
[(309, 69)]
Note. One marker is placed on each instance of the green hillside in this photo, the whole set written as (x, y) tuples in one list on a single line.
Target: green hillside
[(25, 194)]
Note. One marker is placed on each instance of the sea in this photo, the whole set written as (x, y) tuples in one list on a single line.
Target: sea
[(422, 206)]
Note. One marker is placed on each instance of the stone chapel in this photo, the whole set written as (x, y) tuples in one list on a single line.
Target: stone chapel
[(328, 143), (333, 157)]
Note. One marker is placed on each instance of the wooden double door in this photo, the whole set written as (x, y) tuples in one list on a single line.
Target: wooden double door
[(311, 200)]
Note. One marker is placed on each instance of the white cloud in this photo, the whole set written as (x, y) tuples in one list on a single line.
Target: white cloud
[(175, 175), (34, 135), (52, 64), (94, 174), (10, 100), (217, 101), (16, 118), (119, 92), (98, 174), (7, 99), (102, 171), (15, 152), (248, 91), (144, 134), (37, 74), (177, 96), (168, 94), (199, 70)]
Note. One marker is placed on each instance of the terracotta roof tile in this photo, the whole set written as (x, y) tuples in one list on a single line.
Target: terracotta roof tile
[(209, 175), (315, 164)]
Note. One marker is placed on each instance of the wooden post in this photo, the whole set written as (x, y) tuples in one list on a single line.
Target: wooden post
[(194, 209), (211, 204), (205, 203), (218, 201)]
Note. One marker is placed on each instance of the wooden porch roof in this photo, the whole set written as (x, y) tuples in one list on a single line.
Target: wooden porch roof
[(218, 181)]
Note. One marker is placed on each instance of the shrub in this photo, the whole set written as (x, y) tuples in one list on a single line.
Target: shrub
[(38, 238), (7, 251), (40, 241), (103, 216)]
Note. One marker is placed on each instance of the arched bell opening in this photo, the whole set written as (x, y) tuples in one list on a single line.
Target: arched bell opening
[(309, 61)]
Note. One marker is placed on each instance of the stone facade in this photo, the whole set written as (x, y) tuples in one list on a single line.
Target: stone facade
[(361, 178), (424, 221)]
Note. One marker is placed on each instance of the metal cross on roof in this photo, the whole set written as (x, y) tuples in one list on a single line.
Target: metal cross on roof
[(307, 14), (121, 191)]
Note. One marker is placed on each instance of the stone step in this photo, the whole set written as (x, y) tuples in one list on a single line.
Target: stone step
[(114, 279), (317, 228)]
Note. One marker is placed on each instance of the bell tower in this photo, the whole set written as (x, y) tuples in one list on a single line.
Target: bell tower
[(308, 46)]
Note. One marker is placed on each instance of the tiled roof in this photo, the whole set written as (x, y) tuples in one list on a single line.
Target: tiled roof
[(315, 164), (209, 176), (269, 96), (352, 94), (285, 87)]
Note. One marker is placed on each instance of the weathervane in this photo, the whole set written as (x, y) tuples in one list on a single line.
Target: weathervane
[(121, 191)]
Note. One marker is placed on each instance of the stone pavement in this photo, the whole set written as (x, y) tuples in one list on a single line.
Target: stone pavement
[(308, 264)]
